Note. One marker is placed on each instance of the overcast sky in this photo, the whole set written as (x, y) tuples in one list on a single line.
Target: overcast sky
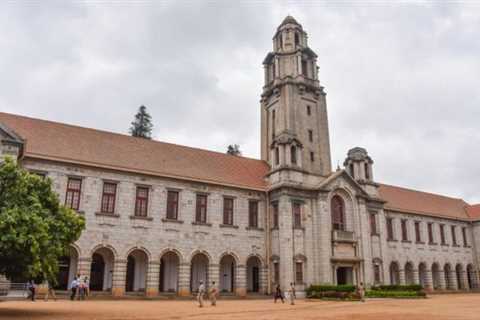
[(402, 81)]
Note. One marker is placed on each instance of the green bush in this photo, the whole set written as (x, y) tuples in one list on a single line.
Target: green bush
[(340, 292), (411, 287), (395, 294), (331, 288)]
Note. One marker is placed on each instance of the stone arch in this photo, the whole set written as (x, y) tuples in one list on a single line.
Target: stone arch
[(459, 272), (229, 253), (348, 207), (102, 267), (254, 265), (198, 251), (449, 280), (170, 260), (423, 274), (137, 269), (394, 273), (176, 251), (228, 263), (377, 265), (199, 265), (436, 276), (409, 273), (472, 280)]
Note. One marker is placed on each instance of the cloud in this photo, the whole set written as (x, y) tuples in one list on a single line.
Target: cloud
[(401, 80)]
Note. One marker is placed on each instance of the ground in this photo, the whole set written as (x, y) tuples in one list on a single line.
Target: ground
[(439, 307)]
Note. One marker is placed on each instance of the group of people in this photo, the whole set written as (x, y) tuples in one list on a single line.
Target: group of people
[(291, 294), (212, 294), (32, 291), (80, 288)]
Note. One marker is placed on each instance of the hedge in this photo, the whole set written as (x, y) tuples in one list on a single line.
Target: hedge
[(331, 288), (395, 294), (412, 287), (340, 292)]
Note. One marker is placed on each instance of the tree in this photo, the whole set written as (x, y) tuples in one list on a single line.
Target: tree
[(234, 150), (35, 230), (142, 125)]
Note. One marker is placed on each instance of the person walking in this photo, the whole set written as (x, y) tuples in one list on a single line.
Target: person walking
[(73, 288), (213, 294), (278, 294), (81, 289), (31, 288), (361, 291), (291, 293), (201, 292), (50, 292), (86, 281)]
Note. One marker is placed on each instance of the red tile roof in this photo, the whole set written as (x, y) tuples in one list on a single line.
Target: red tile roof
[(418, 202), (474, 211), (61, 142), (67, 143)]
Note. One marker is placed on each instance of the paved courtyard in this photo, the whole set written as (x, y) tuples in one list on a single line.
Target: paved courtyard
[(457, 306)]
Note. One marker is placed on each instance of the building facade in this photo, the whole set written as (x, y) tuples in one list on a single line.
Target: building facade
[(161, 218)]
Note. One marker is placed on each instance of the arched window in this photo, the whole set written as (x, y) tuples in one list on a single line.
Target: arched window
[(367, 172), (293, 154), (338, 213)]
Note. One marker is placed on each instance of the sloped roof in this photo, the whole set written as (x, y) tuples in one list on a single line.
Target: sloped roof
[(418, 202), (474, 211), (67, 143)]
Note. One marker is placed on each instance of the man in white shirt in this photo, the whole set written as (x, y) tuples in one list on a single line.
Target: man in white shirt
[(201, 292)]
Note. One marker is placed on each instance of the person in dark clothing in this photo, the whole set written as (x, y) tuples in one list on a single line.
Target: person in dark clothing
[(31, 287), (278, 294)]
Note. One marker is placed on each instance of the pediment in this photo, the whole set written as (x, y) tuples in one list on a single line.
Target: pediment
[(341, 179), (8, 135)]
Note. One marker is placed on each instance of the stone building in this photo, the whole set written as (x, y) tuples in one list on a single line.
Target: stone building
[(161, 217)]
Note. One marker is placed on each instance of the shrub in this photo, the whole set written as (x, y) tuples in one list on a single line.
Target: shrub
[(395, 294), (331, 288), (340, 292), (411, 287)]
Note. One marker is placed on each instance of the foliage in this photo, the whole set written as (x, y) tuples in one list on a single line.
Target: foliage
[(395, 294), (234, 150), (142, 125), (411, 287), (35, 230), (331, 288), (333, 295)]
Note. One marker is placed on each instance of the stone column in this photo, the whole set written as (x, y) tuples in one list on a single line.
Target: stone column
[(153, 278), (464, 280), (443, 281), (119, 277), (401, 274), (453, 280), (241, 281), (428, 280), (184, 279), (213, 275), (416, 276), (84, 266)]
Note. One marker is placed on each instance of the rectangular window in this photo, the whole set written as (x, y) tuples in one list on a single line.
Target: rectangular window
[(72, 198), (442, 234), (312, 156), (299, 272), (228, 211), (309, 110), (172, 205), (276, 272), (404, 230), (293, 154), (367, 172), (273, 123), (277, 156), (201, 210), (430, 233), (454, 235), (418, 235), (373, 224), (297, 215), (310, 135), (464, 235), (390, 235), (304, 68), (141, 202), (253, 214), (275, 215), (376, 273), (108, 197)]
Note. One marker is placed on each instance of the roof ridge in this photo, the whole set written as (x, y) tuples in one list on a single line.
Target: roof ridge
[(424, 192), (128, 136)]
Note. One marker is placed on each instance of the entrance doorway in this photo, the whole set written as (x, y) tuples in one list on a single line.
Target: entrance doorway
[(97, 272), (344, 275)]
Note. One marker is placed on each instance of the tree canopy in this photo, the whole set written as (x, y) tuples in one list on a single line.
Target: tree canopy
[(234, 150), (142, 124), (35, 229)]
